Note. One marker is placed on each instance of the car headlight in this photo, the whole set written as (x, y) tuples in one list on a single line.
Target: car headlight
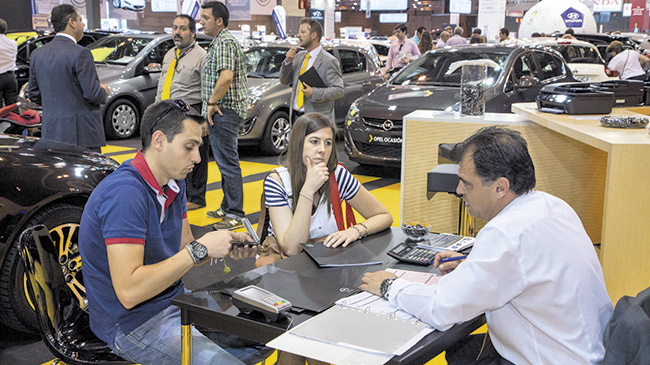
[(353, 115), (254, 95)]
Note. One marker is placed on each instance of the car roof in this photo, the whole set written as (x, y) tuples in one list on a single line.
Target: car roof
[(551, 41)]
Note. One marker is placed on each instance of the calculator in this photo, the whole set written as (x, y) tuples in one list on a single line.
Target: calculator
[(412, 254)]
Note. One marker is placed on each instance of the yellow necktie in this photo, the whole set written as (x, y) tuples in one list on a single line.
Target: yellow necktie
[(167, 86), (301, 96)]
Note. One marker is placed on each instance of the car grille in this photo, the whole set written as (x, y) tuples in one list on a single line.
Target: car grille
[(371, 149), (378, 124)]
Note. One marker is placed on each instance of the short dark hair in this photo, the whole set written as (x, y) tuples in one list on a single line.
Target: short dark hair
[(504, 31), (500, 152), (314, 27), (401, 27), (60, 16), (421, 30), (615, 46), (535, 35), (190, 21), (477, 31), (3, 26), (570, 31), (476, 38), (166, 117), (219, 10)]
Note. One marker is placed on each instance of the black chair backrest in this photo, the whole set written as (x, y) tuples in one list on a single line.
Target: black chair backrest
[(64, 326)]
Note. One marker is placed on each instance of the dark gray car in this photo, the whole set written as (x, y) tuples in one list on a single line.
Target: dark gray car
[(267, 123), (373, 127)]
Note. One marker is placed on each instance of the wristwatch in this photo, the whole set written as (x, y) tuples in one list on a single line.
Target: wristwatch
[(197, 251), (385, 286)]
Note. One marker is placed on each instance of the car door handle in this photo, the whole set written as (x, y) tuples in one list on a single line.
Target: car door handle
[(366, 83)]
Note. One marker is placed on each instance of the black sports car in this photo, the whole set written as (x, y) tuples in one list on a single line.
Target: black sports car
[(373, 126), (48, 183)]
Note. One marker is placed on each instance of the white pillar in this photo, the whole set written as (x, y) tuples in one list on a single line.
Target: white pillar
[(330, 8)]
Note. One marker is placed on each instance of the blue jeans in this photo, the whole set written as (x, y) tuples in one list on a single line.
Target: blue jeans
[(158, 341), (223, 139)]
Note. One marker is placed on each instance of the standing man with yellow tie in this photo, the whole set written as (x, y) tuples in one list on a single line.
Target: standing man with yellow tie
[(181, 79), (305, 98)]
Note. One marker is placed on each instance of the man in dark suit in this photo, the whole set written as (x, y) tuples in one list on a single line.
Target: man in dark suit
[(63, 79), (304, 97)]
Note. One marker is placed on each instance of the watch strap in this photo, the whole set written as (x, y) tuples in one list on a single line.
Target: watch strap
[(385, 287)]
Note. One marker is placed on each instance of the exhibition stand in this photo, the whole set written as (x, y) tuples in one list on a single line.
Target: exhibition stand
[(601, 172)]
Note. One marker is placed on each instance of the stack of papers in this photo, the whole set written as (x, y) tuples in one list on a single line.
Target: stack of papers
[(354, 330)]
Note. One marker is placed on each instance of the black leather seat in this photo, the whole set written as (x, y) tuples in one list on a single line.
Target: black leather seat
[(64, 326)]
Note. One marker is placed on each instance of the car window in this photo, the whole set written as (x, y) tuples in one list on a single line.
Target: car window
[(578, 54), (204, 43), (550, 65), (382, 50), (157, 54), (431, 68), (264, 62), (524, 66), (118, 50), (351, 61), (86, 40)]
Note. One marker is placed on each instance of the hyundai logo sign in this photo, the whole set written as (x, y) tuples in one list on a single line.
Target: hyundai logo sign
[(316, 14), (572, 18)]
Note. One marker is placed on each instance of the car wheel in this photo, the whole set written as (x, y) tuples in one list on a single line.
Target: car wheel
[(121, 120), (117, 4), (63, 222), (276, 135)]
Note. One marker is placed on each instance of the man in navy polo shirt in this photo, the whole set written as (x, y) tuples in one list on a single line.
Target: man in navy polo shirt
[(136, 244)]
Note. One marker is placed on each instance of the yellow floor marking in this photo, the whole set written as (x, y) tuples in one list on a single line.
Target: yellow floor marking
[(112, 149)]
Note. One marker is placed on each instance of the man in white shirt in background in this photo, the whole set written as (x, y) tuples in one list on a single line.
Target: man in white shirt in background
[(457, 39), (533, 270), (8, 83)]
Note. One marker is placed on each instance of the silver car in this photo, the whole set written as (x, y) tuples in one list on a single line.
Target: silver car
[(267, 123)]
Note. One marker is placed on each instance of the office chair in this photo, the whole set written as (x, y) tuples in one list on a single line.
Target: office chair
[(627, 335), (63, 325)]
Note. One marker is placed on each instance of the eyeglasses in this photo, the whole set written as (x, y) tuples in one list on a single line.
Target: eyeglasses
[(178, 104)]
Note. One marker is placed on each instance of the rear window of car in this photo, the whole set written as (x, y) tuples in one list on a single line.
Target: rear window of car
[(579, 54), (119, 50), (431, 68)]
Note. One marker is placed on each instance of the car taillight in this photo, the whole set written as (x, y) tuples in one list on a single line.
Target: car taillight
[(610, 73)]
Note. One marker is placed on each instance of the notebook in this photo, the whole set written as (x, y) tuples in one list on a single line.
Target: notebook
[(355, 254), (312, 78)]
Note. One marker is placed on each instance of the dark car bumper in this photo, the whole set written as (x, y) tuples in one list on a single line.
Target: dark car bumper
[(370, 146)]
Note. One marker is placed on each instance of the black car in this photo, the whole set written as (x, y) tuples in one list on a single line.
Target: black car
[(601, 41), (373, 126), (46, 183), (26, 48)]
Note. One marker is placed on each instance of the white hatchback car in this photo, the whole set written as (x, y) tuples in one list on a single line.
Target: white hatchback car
[(582, 57)]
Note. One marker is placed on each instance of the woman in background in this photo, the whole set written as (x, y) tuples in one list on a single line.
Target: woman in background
[(426, 43), (628, 63)]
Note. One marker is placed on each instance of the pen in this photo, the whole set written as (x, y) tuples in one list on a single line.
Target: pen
[(449, 259)]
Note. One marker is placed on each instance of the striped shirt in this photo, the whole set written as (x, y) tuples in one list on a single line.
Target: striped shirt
[(276, 194), (225, 53)]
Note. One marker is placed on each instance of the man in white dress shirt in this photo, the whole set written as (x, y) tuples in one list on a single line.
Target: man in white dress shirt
[(8, 51), (533, 270)]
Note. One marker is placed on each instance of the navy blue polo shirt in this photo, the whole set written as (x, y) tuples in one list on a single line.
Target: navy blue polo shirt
[(129, 207)]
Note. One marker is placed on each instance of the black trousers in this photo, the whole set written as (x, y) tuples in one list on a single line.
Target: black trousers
[(8, 88), (474, 349), (196, 181)]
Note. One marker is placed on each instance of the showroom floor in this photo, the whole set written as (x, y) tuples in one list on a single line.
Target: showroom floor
[(17, 348)]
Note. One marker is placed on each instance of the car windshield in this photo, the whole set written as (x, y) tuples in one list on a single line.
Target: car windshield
[(578, 54), (118, 50), (264, 62), (431, 68)]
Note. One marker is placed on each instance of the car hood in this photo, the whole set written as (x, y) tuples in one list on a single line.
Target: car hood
[(395, 101), (109, 73), (48, 153), (261, 83)]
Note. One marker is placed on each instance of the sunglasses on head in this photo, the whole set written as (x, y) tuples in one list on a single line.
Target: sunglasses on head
[(178, 104)]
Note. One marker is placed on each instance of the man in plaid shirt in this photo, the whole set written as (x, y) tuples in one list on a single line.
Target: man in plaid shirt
[(224, 96)]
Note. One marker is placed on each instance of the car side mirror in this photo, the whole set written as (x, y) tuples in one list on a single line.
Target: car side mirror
[(152, 68), (526, 82)]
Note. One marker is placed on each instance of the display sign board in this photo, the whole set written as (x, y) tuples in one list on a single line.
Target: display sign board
[(608, 5), (41, 22), (164, 6), (393, 18), (384, 5), (460, 6), (491, 17), (627, 9), (572, 18), (279, 16), (263, 7), (239, 9), (520, 5)]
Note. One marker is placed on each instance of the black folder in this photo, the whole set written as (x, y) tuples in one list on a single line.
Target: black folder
[(356, 254), (312, 78)]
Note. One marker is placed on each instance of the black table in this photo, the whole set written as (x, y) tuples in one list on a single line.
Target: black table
[(210, 308)]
